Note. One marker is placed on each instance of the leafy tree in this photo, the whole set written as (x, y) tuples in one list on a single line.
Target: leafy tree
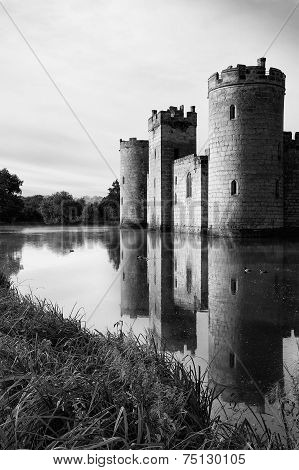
[(61, 208), (99, 210), (32, 209), (11, 203), (114, 191), (110, 204), (92, 214)]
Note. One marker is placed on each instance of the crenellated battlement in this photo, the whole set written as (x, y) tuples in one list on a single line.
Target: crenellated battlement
[(243, 74), (173, 117), (245, 182), (133, 142)]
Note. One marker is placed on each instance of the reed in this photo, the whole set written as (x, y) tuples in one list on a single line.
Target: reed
[(65, 387)]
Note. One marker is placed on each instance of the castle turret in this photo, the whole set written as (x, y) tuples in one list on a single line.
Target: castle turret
[(246, 106), (133, 182), (171, 135)]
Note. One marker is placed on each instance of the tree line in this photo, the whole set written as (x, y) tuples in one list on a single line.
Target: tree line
[(58, 208)]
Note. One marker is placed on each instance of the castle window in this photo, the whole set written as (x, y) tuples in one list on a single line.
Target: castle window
[(123, 180), (277, 189), (176, 153), (154, 182), (189, 280), (175, 199), (176, 180), (175, 264), (155, 154), (232, 360), (233, 286), (234, 188), (122, 201), (176, 282), (232, 112), (189, 185), (124, 276)]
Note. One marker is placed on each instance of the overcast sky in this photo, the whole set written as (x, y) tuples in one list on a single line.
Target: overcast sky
[(115, 61)]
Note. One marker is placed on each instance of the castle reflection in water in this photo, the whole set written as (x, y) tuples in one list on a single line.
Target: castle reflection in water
[(231, 305)]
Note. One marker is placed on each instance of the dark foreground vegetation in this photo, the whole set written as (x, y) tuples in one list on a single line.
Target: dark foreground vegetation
[(64, 387)]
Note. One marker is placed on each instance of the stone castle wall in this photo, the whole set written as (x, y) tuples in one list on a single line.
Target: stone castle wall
[(190, 214), (246, 148), (247, 183), (154, 177), (171, 136), (133, 182), (291, 181)]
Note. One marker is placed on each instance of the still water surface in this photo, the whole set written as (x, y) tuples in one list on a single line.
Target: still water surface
[(229, 304)]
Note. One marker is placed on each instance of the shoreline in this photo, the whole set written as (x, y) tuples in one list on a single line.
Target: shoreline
[(65, 387)]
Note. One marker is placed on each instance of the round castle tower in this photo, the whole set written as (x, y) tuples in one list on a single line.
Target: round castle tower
[(133, 182), (246, 147)]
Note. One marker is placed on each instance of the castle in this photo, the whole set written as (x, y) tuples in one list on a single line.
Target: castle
[(247, 181)]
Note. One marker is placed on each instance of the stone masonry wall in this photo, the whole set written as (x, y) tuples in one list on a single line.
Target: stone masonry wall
[(190, 213), (247, 149), (171, 136), (133, 182), (291, 181), (154, 177)]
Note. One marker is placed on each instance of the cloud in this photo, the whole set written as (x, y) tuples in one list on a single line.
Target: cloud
[(114, 61)]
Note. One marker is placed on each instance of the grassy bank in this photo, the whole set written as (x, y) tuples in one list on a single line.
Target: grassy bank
[(64, 387)]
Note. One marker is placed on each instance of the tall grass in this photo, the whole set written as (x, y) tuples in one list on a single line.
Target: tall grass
[(64, 387)]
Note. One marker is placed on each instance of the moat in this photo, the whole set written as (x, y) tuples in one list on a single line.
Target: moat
[(229, 307)]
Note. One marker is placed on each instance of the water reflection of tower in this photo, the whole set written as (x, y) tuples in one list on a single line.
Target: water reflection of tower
[(160, 255), (134, 285), (177, 273), (245, 344), (290, 290), (191, 294)]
